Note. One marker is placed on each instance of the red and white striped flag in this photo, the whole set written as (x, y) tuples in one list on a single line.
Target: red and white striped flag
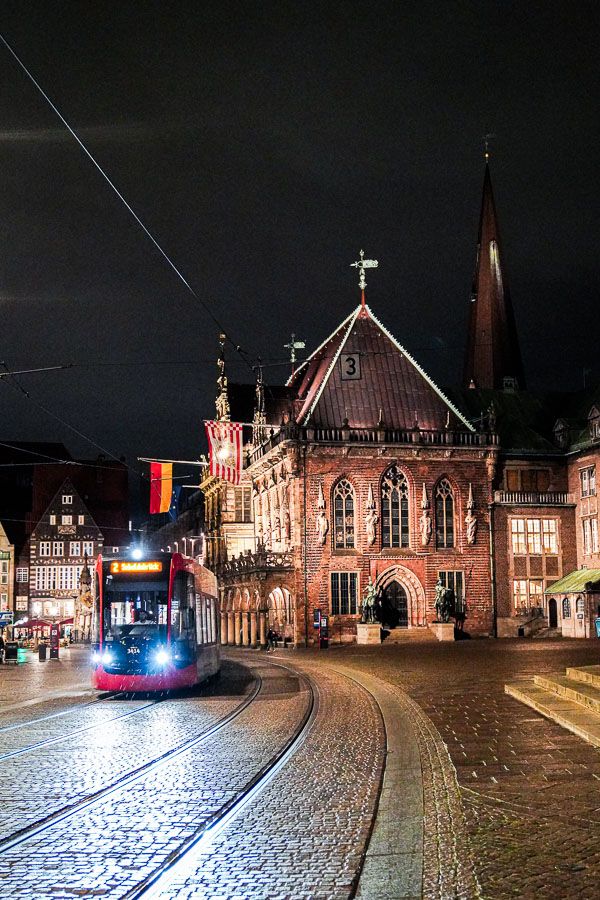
[(225, 450)]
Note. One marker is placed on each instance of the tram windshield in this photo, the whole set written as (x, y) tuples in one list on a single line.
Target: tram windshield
[(134, 610)]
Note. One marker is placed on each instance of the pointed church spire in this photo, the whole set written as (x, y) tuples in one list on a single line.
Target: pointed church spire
[(493, 353)]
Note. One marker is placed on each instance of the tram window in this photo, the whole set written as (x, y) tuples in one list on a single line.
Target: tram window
[(138, 609)]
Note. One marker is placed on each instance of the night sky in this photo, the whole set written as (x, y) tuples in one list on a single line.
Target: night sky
[(264, 145)]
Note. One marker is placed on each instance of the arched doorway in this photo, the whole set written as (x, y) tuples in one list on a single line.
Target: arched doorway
[(552, 614), (402, 597), (394, 605)]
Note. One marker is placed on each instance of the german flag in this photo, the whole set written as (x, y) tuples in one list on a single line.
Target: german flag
[(161, 487)]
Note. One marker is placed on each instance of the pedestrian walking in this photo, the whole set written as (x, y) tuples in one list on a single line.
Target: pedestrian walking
[(270, 640), (2, 647)]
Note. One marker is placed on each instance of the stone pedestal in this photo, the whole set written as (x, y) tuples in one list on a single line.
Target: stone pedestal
[(368, 634), (444, 631)]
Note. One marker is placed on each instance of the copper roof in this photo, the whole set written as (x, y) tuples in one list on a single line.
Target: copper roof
[(392, 387), (492, 347)]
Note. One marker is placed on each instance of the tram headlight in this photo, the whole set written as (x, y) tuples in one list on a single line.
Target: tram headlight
[(96, 657), (107, 658), (162, 656)]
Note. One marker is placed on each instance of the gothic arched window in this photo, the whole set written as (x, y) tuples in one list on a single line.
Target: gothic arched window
[(444, 514), (343, 515), (394, 509)]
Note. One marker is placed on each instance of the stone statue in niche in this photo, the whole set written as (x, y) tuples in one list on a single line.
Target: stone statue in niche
[(322, 522), (471, 527), (371, 519), (425, 525), (322, 526), (470, 518), (285, 515), (277, 528)]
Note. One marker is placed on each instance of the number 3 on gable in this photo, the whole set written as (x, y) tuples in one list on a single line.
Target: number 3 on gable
[(350, 363)]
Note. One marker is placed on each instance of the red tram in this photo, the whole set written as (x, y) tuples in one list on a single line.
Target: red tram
[(155, 623)]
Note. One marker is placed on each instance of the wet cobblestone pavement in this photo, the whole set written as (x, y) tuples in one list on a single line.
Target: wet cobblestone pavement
[(530, 790), (510, 808), (304, 835)]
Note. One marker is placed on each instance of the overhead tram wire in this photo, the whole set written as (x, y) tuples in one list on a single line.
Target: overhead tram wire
[(17, 386), (131, 211)]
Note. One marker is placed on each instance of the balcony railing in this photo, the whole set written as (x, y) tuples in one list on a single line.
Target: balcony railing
[(257, 561), (534, 498), (412, 437)]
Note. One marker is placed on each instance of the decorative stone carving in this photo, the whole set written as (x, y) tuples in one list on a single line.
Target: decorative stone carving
[(425, 526), (470, 519), (285, 515), (322, 522), (371, 518)]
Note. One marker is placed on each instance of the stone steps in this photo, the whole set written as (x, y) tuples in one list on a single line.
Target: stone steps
[(572, 700), (409, 636)]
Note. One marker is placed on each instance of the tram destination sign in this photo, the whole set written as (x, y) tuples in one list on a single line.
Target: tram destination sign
[(125, 567)]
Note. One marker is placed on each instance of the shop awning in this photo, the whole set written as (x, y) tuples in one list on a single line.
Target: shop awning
[(575, 582), (35, 623)]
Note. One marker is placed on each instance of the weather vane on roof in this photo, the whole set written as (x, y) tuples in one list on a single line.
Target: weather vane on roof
[(363, 264)]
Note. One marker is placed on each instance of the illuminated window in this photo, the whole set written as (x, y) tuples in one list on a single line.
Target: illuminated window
[(394, 509), (88, 548), (22, 574), (81, 520), (58, 548), (590, 535), (243, 504), (534, 536), (550, 536), (520, 593), (343, 593), (45, 548), (536, 592), (517, 528), (587, 481), (343, 515), (67, 499), (444, 514), (66, 520), (53, 520), (74, 548)]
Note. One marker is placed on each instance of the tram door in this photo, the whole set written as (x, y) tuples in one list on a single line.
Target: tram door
[(394, 606)]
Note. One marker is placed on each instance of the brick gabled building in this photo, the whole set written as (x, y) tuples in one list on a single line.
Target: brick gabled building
[(361, 469)]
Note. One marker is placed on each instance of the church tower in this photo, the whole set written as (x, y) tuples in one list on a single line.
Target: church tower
[(493, 359)]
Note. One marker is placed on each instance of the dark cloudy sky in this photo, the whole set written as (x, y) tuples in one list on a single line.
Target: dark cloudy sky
[(264, 144)]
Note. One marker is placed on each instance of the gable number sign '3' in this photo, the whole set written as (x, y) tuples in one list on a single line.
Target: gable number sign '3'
[(350, 363)]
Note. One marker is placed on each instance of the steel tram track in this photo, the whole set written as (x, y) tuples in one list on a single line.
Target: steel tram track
[(151, 887), (63, 712), (30, 831), (65, 737)]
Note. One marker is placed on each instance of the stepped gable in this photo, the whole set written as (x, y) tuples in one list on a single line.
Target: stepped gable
[(392, 388), (493, 348)]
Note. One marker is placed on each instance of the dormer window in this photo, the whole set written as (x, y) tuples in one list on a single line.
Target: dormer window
[(561, 433), (594, 423)]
